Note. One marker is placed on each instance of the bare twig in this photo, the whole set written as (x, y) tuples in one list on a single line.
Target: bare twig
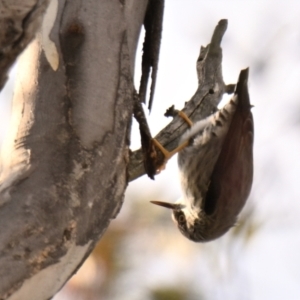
[(153, 26), (210, 90), (148, 149)]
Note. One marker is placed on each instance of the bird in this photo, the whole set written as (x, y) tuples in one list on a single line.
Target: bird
[(215, 160)]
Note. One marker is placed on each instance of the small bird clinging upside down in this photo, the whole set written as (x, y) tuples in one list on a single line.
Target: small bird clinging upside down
[(216, 169)]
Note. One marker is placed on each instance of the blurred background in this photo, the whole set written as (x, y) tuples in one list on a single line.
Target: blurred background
[(142, 255)]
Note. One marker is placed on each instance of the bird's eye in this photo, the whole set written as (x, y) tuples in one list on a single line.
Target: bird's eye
[(181, 219)]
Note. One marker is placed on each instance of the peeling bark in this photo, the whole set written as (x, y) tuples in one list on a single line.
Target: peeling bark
[(19, 21)]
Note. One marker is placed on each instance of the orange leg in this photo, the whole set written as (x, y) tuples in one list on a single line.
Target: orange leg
[(168, 154), (185, 118)]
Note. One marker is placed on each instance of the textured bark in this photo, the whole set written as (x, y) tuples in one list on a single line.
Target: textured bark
[(64, 165)]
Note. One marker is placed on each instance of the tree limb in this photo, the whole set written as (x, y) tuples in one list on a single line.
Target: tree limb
[(64, 170), (210, 90)]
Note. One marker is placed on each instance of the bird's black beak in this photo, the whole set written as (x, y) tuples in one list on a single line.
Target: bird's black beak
[(168, 205)]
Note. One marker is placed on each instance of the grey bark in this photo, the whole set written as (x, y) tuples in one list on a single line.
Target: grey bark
[(64, 166)]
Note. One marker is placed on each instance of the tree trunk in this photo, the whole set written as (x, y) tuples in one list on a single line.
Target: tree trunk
[(64, 165)]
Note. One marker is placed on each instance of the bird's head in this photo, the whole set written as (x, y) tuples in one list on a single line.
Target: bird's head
[(186, 219)]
